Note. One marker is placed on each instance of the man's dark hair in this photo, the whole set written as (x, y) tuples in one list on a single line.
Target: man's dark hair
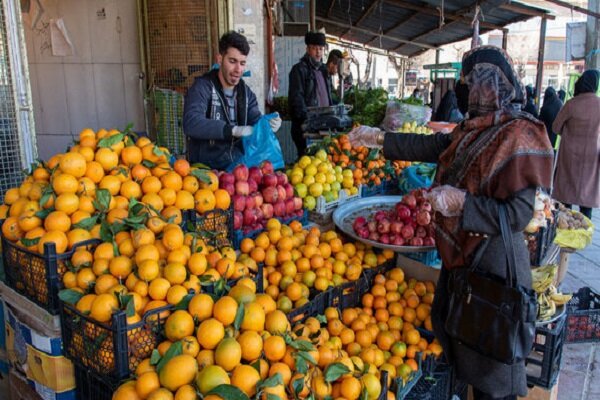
[(235, 40), (334, 56)]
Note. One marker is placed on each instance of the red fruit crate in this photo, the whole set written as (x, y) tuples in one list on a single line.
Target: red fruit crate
[(38, 276), (583, 317)]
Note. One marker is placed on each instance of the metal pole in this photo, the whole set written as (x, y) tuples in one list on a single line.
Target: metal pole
[(437, 62), (313, 12), (540, 66), (504, 39)]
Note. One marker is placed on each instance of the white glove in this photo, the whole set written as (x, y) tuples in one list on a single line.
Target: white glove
[(365, 136), (241, 131), (275, 123), (447, 200)]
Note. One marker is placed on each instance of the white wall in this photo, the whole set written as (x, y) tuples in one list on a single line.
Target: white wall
[(98, 86), (249, 19)]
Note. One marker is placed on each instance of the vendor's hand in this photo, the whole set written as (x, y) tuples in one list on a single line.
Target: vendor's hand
[(365, 136), (447, 200), (241, 131), (275, 122)]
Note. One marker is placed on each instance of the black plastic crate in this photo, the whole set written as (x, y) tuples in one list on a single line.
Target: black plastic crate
[(318, 303), (583, 317), (91, 386), (351, 293), (436, 382), (38, 276), (370, 190), (543, 363), (240, 234), (112, 349), (403, 390), (215, 227)]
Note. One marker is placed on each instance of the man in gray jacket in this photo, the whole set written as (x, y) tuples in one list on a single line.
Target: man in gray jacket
[(220, 108)]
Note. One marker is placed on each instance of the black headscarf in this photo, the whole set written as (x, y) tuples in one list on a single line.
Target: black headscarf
[(448, 108), (562, 95), (587, 82), (530, 104), (549, 111), (462, 96)]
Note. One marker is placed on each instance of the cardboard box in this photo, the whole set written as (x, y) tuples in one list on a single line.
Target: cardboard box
[(417, 270)]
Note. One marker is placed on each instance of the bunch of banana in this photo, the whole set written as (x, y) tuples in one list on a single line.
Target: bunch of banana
[(548, 296)]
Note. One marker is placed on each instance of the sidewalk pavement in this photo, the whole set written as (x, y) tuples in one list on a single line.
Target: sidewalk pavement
[(580, 368)]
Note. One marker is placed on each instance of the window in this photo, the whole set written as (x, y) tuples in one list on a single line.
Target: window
[(392, 85)]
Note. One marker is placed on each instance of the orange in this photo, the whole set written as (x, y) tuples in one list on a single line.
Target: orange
[(214, 182), (225, 310), (245, 377), (57, 237), (28, 221), (107, 158), (73, 164), (186, 392), (276, 322), (228, 354), (197, 264), (103, 307), (172, 214), (94, 171), (146, 252), (110, 183), (210, 333), (222, 199), (175, 273), (65, 183), (158, 288), (77, 235), (205, 200), (182, 167), (120, 267), (190, 184), (252, 345), (67, 202), (151, 184), (274, 348), (146, 384), (210, 377), (184, 200), (412, 337), (173, 238), (351, 388), (131, 155), (172, 180), (254, 317), (179, 325), (139, 172), (178, 371), (130, 189)]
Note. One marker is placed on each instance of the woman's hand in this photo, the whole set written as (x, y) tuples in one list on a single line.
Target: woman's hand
[(366, 136), (447, 200)]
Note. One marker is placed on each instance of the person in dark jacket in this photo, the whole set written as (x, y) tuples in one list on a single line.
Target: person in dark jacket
[(333, 62), (499, 155), (530, 102), (549, 111), (562, 95), (447, 110), (462, 96), (220, 108), (309, 86)]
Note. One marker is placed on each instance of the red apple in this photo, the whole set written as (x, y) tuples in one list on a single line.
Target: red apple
[(289, 190), (281, 178), (241, 187), (226, 177), (297, 203), (240, 172), (269, 180), (258, 199), (250, 217), (239, 202), (270, 194), (282, 193), (250, 202), (229, 187), (267, 210), (238, 219), (255, 174), (279, 208), (267, 167), (252, 186), (290, 207)]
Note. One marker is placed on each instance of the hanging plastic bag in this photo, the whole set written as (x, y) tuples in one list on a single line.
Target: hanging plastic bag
[(262, 145), (577, 239)]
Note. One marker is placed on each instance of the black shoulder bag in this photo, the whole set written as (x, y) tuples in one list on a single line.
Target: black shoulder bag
[(493, 317)]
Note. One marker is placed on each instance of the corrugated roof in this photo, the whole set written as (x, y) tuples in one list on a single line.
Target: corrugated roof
[(409, 27)]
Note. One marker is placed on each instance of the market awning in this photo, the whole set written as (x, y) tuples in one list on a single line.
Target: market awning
[(410, 28)]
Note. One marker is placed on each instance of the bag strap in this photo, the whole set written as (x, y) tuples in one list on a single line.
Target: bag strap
[(508, 245)]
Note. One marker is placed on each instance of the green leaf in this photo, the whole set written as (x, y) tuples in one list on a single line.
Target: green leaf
[(302, 345), (157, 151), (87, 223), (239, 317), (307, 356), (30, 242), (271, 396), (46, 194), (335, 371), (44, 212), (201, 174), (364, 395), (298, 385), (155, 357), (106, 234), (110, 140), (200, 165), (127, 303), (70, 296), (301, 364), (321, 318), (229, 392), (184, 302), (274, 380), (176, 349), (102, 201), (148, 164)]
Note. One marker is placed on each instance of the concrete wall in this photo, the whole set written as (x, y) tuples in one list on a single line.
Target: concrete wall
[(249, 19), (98, 86)]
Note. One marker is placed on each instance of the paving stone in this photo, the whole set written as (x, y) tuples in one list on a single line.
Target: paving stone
[(570, 385), (576, 357)]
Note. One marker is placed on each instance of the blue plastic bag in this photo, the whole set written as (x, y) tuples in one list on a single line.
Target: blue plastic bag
[(262, 145)]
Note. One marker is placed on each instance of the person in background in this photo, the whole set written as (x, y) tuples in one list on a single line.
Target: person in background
[(530, 103), (417, 94), (309, 86), (220, 109), (549, 111), (577, 178), (562, 95), (462, 96), (499, 155), (448, 110), (332, 64)]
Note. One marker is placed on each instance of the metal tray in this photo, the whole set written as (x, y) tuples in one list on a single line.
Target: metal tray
[(345, 214), (560, 310)]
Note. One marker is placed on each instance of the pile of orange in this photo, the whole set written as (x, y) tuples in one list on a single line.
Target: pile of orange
[(57, 200), (369, 167), (298, 261)]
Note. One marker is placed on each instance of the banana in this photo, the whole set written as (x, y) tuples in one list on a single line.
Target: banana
[(560, 298)]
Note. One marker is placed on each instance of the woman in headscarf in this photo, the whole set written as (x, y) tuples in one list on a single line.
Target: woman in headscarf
[(549, 111), (448, 108), (577, 179), (562, 95), (530, 101), (499, 155)]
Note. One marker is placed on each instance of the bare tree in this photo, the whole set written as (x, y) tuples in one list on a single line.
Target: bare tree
[(397, 63), (362, 82)]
